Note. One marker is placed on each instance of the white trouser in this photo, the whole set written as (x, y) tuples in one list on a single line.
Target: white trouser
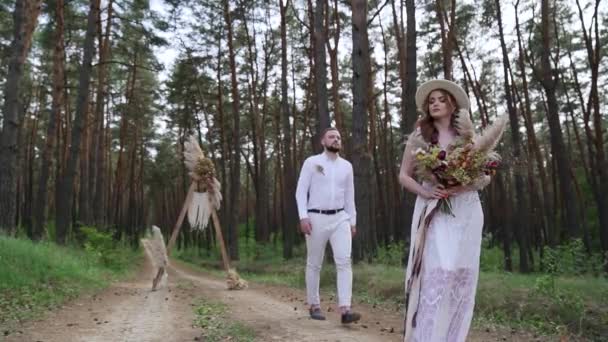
[(336, 229)]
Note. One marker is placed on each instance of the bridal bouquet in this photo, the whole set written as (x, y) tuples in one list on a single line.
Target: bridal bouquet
[(459, 165), (464, 163)]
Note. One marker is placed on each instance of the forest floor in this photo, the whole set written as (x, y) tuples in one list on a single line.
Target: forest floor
[(130, 311)]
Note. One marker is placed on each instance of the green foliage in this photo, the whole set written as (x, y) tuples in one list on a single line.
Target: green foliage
[(491, 260), (572, 259), (108, 252), (213, 319), (544, 303), (391, 254), (37, 276)]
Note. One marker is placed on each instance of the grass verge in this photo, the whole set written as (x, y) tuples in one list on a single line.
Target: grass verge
[(541, 303), (213, 318), (35, 277)]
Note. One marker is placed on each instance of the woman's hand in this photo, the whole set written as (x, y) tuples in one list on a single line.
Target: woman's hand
[(437, 192), (455, 190)]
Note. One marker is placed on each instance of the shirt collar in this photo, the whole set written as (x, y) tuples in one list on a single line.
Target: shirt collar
[(328, 158)]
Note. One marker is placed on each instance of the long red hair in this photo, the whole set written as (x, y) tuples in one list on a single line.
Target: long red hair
[(425, 123)]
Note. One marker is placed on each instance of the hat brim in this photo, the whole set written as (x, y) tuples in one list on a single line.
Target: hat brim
[(427, 87)]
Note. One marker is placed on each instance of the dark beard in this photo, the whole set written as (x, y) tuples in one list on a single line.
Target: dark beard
[(332, 149)]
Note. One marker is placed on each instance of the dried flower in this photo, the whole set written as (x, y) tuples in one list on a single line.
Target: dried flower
[(435, 138), (460, 164), (492, 164), (204, 171), (320, 169)]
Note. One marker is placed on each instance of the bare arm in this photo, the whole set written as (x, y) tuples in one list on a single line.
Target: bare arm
[(407, 180)]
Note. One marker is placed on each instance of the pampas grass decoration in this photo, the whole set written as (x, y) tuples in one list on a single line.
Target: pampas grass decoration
[(490, 137), (234, 281), (463, 124), (199, 211), (206, 201)]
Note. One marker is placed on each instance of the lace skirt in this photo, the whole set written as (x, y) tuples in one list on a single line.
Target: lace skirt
[(442, 292)]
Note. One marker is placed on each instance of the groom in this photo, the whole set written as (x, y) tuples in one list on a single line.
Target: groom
[(326, 206)]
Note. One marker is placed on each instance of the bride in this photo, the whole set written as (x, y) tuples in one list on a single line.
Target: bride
[(443, 266)]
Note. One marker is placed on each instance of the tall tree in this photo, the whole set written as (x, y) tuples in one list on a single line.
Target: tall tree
[(595, 137), (520, 197), (99, 200), (235, 158), (361, 157), (409, 111), (57, 93), (333, 65), (558, 148), (447, 27), (320, 37), (65, 188), (288, 201), (25, 17), (534, 148)]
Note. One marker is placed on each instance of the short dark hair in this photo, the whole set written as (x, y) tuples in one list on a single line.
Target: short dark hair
[(327, 130)]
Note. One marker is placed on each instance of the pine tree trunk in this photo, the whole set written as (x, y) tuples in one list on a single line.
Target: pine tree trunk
[(224, 150), (597, 140), (235, 158), (84, 194), (411, 113), (99, 201), (28, 161), (25, 18), (66, 184), (558, 148), (448, 35), (521, 201), (46, 164), (361, 157), (290, 213), (320, 73)]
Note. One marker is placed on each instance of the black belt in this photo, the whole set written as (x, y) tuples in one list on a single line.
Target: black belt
[(326, 212)]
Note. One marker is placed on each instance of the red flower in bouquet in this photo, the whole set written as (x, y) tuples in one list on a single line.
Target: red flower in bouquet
[(459, 165)]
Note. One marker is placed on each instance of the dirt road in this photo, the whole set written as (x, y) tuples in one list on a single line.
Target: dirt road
[(129, 311)]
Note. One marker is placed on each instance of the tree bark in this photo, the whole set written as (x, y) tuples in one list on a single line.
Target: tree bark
[(66, 184), (46, 164), (597, 139), (448, 35), (320, 74), (520, 198), (99, 199), (25, 17), (235, 158), (547, 205), (558, 147), (333, 66), (288, 201), (361, 157)]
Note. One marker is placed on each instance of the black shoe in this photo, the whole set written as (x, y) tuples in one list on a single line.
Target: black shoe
[(316, 314), (350, 317)]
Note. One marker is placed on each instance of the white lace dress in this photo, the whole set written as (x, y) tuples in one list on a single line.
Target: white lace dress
[(442, 290)]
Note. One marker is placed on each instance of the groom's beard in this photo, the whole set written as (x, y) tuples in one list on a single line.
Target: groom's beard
[(333, 149)]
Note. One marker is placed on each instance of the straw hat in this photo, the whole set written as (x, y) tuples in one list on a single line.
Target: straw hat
[(427, 87)]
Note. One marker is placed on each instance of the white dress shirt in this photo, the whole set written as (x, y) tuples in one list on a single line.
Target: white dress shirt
[(326, 184)]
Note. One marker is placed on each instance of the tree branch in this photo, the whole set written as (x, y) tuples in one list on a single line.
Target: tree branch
[(377, 12)]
